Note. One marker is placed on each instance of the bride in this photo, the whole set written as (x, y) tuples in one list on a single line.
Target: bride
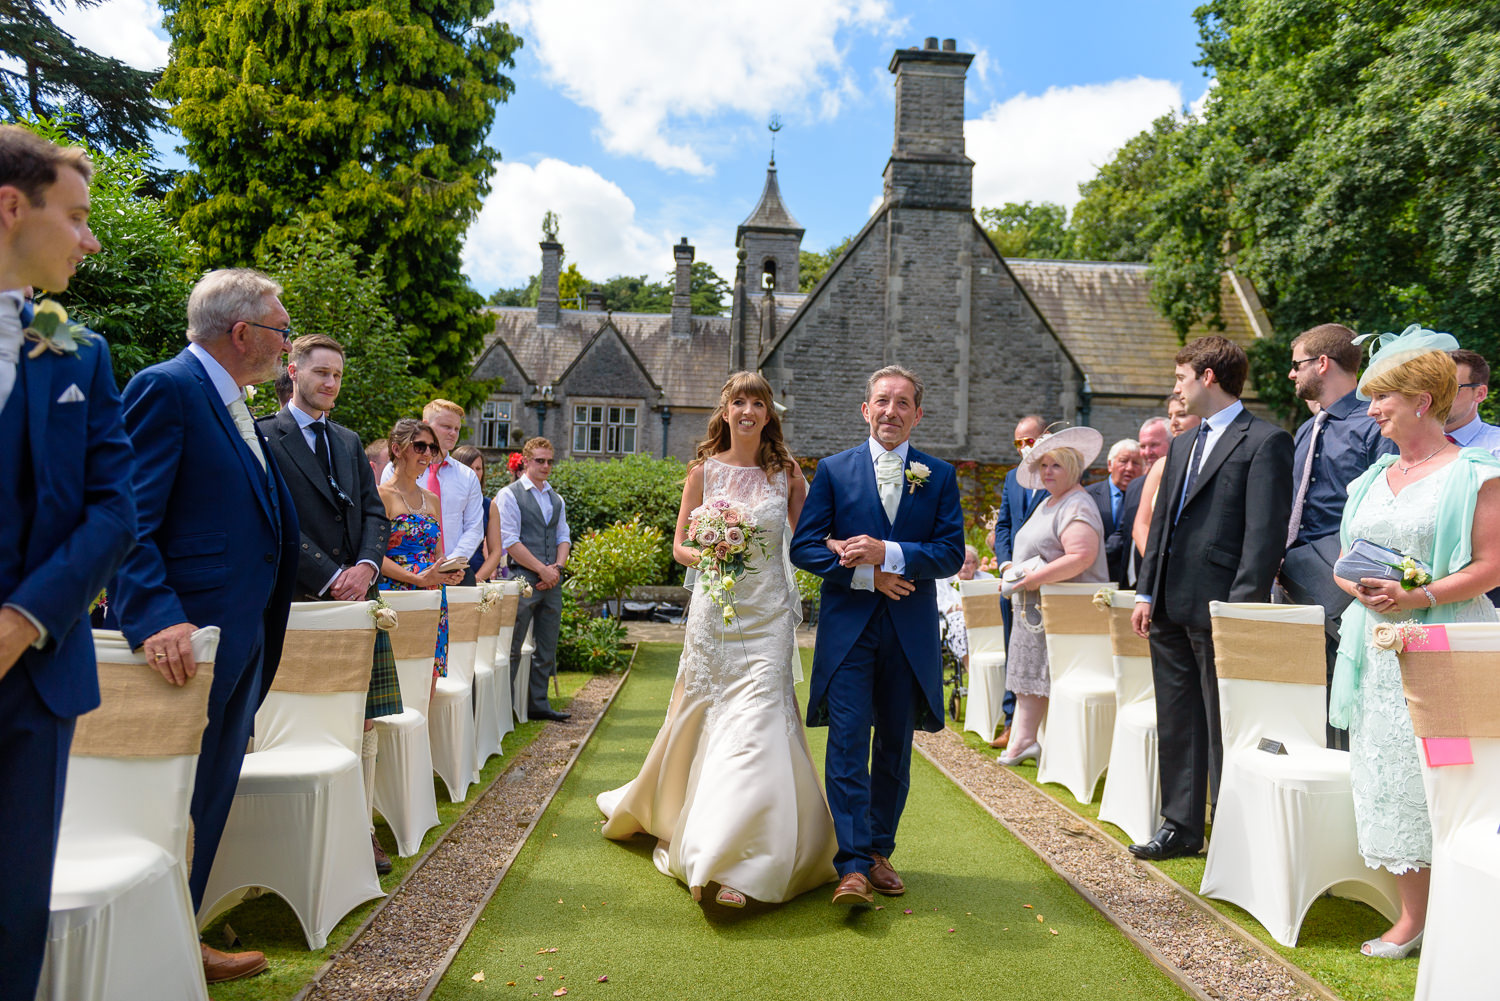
[(728, 788)]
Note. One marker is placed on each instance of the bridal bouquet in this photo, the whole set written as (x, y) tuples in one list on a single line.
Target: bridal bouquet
[(722, 534)]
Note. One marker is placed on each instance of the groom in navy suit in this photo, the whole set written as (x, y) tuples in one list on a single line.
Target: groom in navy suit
[(218, 538), (881, 524), (69, 520)]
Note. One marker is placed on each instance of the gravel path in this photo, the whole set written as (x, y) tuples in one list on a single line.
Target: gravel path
[(1193, 944), (407, 944)]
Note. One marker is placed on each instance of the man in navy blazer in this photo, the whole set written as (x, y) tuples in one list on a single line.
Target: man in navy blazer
[(1016, 505), (70, 518), (881, 524), (218, 537)]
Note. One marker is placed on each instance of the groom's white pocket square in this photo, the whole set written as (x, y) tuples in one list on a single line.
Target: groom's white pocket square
[(72, 395)]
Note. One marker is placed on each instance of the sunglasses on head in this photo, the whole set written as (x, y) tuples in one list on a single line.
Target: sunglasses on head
[(424, 447), (1025, 442)]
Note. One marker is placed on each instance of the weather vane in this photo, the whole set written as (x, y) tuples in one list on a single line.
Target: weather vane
[(774, 127)]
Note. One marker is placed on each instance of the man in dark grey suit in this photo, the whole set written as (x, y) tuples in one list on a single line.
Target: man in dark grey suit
[(1333, 449), (339, 510), (1217, 533), (534, 532), (1125, 466)]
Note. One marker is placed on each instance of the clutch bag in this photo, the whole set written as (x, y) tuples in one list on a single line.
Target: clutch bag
[(1366, 559)]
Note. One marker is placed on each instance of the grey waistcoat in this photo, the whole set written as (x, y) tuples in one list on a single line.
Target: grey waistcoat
[(538, 534)]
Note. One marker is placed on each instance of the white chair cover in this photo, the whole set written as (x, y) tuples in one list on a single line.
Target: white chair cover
[(300, 825), (984, 711), (122, 919), (403, 771), (1080, 721), (451, 721), (1132, 789), (1283, 830), (520, 698), (492, 709), (1456, 696)]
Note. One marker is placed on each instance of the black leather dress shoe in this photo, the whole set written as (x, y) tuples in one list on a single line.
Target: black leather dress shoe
[(551, 714), (1166, 844)]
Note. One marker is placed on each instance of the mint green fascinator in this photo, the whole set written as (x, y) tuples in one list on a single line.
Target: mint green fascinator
[(1392, 350)]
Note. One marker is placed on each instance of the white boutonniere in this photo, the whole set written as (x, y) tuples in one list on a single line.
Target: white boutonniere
[(916, 475), (249, 393), (50, 330)]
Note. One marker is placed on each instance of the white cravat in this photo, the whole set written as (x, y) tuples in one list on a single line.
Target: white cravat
[(241, 415), (11, 341), (888, 478)]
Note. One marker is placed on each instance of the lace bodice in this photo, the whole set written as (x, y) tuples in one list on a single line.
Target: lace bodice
[(757, 646)]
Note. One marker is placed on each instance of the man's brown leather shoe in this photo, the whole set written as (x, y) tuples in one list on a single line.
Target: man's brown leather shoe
[(883, 878), (1001, 741), (221, 966), (382, 860), (854, 889)]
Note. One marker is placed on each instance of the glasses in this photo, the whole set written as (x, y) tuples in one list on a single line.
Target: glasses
[(1471, 385), (1025, 442), (1297, 364), (541, 462), (285, 332), (424, 448)]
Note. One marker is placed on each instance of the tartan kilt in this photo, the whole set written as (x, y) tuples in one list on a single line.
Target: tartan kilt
[(384, 698)]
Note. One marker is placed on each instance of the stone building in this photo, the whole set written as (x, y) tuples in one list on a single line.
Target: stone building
[(920, 285)]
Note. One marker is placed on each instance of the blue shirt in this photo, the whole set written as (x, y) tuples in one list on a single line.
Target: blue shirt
[(1348, 444)]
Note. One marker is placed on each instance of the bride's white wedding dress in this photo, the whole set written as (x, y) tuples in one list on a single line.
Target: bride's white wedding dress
[(729, 789)]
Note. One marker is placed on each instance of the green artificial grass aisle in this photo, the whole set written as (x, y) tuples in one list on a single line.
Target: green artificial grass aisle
[(576, 907), (267, 923), (1327, 948)]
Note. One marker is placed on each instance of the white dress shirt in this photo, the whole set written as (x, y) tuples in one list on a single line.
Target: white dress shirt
[(462, 513), (305, 421), (1217, 424), (510, 513), (1478, 434), (228, 389), (895, 560), (11, 344)]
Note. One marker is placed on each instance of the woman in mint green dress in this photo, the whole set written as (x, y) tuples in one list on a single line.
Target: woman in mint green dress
[(1440, 504)]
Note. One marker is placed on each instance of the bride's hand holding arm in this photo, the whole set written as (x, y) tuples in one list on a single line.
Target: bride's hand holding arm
[(692, 498)]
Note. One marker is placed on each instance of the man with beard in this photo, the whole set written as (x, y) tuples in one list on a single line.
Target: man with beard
[(1333, 448)]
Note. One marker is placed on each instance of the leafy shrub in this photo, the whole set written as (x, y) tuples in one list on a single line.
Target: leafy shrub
[(603, 493), (588, 642), (606, 564)]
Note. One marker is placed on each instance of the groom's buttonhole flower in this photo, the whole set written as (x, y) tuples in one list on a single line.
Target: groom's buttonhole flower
[(50, 330)]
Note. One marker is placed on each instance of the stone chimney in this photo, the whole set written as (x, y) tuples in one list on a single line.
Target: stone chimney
[(547, 309), (928, 168), (682, 299), (593, 301)]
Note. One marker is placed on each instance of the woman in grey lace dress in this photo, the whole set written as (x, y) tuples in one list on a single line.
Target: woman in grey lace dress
[(1064, 538), (1440, 504)]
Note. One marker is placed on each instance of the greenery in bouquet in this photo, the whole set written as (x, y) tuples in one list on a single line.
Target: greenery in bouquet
[(605, 564), (723, 535)]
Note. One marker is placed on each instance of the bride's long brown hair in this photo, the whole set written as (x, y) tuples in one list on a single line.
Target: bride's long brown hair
[(773, 454)]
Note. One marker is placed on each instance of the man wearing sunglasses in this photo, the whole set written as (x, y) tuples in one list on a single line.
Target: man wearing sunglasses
[(1016, 505), (1463, 425), (217, 543)]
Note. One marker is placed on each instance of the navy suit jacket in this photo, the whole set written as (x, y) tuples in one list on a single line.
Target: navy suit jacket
[(59, 554), (218, 535), (843, 501), (1116, 537), (1014, 510)]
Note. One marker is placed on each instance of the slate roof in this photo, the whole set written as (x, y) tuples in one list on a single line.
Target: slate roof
[(1103, 314), (690, 371)]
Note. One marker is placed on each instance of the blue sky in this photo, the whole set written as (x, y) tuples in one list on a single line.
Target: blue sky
[(640, 123)]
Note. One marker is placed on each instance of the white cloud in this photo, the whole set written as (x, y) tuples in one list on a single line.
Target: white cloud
[(1196, 108), (598, 228), (127, 30), (655, 72), (1039, 148)]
